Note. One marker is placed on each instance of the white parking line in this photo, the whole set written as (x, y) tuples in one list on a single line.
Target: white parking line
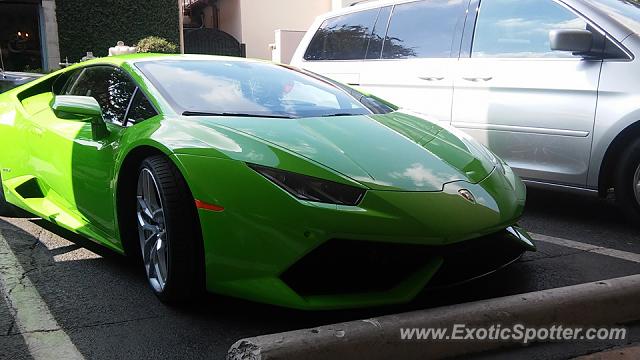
[(624, 255), (42, 334), (46, 340)]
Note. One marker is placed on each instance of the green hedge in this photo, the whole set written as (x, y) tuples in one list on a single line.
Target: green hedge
[(154, 44), (97, 25)]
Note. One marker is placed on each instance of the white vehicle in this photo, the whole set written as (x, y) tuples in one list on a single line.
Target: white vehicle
[(551, 86)]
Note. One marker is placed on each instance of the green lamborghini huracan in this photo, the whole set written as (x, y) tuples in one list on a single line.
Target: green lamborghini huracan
[(256, 180)]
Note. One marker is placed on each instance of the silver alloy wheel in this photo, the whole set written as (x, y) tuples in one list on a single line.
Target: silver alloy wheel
[(636, 184), (152, 231)]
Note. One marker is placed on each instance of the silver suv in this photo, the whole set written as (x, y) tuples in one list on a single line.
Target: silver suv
[(551, 86)]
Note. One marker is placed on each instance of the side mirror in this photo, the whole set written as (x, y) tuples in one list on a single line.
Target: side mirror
[(574, 40), (82, 107)]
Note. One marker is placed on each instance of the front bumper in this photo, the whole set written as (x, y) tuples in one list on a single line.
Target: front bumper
[(264, 245), (341, 266)]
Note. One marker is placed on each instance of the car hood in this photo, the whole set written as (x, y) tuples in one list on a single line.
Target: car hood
[(394, 151)]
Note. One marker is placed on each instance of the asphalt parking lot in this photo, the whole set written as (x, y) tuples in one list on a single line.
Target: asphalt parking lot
[(101, 306)]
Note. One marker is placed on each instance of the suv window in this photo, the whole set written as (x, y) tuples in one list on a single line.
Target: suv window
[(140, 109), (374, 50), (626, 12), (423, 29), (520, 28), (343, 38), (111, 87)]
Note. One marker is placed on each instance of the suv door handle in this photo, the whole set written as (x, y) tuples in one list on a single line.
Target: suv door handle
[(431, 78), (478, 79)]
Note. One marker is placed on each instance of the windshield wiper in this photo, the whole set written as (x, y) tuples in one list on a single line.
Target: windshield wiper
[(205, 113), (340, 114)]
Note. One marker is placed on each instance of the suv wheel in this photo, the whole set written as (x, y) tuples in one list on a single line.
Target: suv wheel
[(627, 182)]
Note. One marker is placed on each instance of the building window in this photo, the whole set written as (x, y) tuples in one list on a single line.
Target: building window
[(20, 37)]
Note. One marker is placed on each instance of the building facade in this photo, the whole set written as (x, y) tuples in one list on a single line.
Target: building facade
[(36, 35), (267, 29), (28, 35)]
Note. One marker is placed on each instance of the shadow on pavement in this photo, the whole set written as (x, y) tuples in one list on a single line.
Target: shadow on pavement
[(103, 302)]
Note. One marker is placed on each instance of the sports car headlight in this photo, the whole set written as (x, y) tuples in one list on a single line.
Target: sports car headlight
[(311, 188)]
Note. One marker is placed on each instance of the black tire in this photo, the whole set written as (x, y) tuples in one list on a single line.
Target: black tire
[(624, 186), (185, 274)]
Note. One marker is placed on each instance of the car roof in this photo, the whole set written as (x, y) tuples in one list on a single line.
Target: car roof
[(131, 59), (588, 9), (137, 58), (366, 5)]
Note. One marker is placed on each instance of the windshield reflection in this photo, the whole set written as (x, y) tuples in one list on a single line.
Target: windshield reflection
[(245, 88)]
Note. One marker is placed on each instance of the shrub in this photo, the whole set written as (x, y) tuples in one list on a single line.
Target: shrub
[(155, 44), (90, 25)]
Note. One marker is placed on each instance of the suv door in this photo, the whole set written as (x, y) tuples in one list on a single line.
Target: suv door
[(402, 53), (339, 46), (532, 106), (419, 51)]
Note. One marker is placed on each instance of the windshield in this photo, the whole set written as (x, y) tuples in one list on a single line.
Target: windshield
[(232, 87), (626, 12)]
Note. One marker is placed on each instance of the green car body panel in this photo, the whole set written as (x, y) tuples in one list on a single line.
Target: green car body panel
[(412, 171)]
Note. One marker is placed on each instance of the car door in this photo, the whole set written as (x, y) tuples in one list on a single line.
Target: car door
[(81, 166), (402, 53), (414, 64), (340, 45), (532, 106)]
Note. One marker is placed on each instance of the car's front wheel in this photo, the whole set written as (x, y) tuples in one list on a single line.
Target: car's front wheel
[(627, 186), (169, 231)]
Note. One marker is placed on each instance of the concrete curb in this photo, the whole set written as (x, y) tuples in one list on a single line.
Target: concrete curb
[(607, 302)]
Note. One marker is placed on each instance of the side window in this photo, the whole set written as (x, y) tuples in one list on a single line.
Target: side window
[(343, 38), (374, 50), (423, 29), (140, 109), (111, 87), (64, 81), (520, 28)]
